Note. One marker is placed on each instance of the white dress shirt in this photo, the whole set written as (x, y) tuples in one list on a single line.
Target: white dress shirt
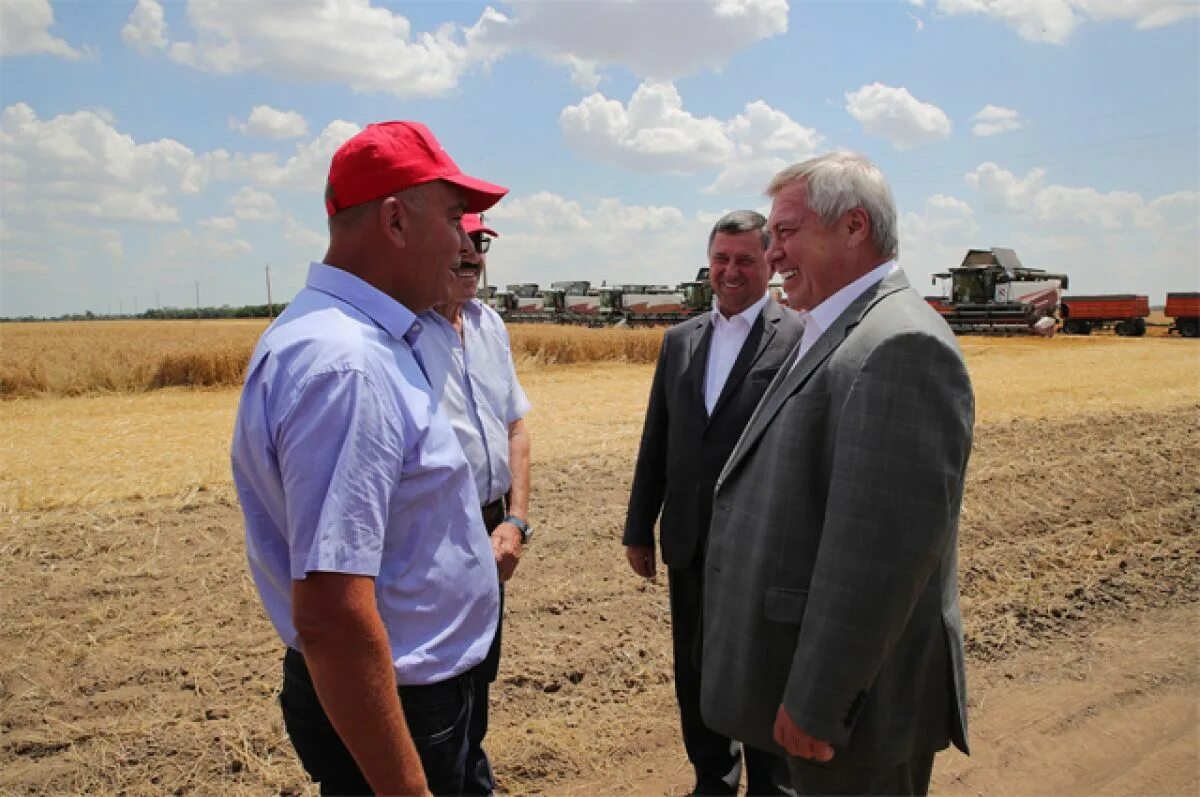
[(728, 337), (821, 317)]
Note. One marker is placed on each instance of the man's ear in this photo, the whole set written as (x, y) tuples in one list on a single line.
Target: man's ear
[(857, 226), (394, 218)]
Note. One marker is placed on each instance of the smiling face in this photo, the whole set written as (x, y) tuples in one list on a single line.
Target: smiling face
[(466, 276), (434, 240), (738, 270), (804, 252)]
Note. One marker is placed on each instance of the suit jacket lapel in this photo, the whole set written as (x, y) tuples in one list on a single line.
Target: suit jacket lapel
[(789, 379), (756, 342), (697, 364)]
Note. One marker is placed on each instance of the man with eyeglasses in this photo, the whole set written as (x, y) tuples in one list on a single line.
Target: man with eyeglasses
[(467, 355)]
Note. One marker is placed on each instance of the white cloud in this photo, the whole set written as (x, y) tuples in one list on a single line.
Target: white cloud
[(305, 170), (993, 119), (546, 237), (185, 248), (23, 265), (25, 30), (1053, 21), (542, 212), (936, 238), (146, 30), (654, 40), (1175, 212), (270, 122), (1144, 13), (896, 115), (304, 237), (1082, 209), (1114, 210), (1106, 241), (368, 48), (80, 164), (251, 205), (1004, 192), (219, 224), (654, 133), (111, 243)]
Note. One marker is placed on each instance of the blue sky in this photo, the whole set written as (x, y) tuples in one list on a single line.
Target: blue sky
[(146, 147)]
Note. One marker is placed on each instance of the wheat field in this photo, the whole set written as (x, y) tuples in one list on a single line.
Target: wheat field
[(135, 657), (133, 442), (93, 357)]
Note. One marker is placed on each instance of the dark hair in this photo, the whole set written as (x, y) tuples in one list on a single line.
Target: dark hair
[(739, 221)]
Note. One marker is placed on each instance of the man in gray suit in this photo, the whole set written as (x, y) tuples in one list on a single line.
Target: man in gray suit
[(712, 370), (831, 621)]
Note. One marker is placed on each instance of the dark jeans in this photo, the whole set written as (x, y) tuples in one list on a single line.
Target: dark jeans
[(437, 717), (716, 759)]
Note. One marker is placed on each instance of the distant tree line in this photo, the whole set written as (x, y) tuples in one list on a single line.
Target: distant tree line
[(169, 313)]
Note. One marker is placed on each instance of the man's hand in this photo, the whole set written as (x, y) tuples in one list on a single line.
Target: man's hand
[(506, 546), (799, 743), (641, 559)]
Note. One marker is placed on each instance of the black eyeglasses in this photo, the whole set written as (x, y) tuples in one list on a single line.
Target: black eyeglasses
[(481, 241)]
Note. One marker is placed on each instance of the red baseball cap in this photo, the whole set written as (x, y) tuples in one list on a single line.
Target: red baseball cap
[(473, 222), (390, 156)]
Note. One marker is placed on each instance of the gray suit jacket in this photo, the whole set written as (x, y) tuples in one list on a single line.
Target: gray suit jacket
[(831, 574), (683, 448)]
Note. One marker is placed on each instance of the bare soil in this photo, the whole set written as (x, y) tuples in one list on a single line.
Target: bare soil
[(134, 656)]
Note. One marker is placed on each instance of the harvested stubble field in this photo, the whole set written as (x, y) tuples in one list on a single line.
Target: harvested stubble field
[(134, 656)]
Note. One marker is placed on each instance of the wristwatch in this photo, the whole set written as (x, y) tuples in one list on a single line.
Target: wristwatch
[(523, 527)]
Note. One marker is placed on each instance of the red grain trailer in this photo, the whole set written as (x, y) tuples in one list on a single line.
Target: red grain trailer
[(1124, 312), (1184, 309)]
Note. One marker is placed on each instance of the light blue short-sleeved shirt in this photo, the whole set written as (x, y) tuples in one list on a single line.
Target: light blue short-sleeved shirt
[(477, 385), (344, 462)]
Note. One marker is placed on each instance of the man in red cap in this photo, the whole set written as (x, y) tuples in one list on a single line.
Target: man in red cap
[(466, 352), (363, 530)]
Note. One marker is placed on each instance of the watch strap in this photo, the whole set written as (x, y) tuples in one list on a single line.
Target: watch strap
[(521, 525)]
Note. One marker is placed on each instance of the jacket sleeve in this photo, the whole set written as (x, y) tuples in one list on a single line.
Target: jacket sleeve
[(903, 436), (650, 473)]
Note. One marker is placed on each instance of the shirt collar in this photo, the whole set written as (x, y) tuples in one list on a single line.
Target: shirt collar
[(824, 314), (474, 307), (749, 315), (387, 313)]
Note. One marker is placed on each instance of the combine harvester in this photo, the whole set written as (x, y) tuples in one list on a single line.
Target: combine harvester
[(580, 303), (646, 305), (991, 293)]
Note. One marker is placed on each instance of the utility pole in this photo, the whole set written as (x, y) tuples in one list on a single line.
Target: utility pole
[(270, 305), (120, 307), (197, 300), (158, 301), (135, 305)]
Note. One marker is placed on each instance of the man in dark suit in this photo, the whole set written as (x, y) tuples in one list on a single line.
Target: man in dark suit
[(712, 370), (831, 619)]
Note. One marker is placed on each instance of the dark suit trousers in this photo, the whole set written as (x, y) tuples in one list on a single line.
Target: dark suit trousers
[(716, 759), (909, 778)]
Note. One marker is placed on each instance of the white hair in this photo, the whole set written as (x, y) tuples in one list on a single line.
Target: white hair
[(841, 181)]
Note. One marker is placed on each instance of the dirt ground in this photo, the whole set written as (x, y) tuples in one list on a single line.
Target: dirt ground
[(134, 656)]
